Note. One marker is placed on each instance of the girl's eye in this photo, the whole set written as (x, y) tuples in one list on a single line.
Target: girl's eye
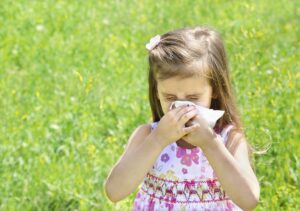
[(172, 99)]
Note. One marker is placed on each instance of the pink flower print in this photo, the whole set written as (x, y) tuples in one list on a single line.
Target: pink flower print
[(151, 205), (186, 159), (165, 157), (172, 200), (184, 170), (189, 185), (211, 183), (169, 206)]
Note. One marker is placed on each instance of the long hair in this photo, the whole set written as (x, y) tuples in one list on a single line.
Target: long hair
[(188, 52)]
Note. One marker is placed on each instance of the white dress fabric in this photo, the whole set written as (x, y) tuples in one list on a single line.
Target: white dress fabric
[(182, 179)]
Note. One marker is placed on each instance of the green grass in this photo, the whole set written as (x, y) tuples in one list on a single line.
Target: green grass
[(73, 86)]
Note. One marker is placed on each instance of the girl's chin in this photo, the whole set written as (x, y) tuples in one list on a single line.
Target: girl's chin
[(185, 144)]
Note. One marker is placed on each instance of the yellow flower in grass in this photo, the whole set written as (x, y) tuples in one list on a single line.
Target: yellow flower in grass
[(91, 149)]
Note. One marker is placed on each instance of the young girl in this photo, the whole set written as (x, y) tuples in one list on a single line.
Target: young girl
[(182, 162)]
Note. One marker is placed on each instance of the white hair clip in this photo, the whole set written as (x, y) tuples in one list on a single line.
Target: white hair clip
[(153, 42)]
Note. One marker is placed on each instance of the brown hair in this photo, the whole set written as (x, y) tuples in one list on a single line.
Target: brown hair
[(189, 52)]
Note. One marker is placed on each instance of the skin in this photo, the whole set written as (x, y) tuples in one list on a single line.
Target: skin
[(194, 89), (180, 89)]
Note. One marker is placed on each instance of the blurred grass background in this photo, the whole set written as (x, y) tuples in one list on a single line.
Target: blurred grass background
[(73, 87)]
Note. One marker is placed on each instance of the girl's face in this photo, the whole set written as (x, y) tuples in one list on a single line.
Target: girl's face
[(194, 89)]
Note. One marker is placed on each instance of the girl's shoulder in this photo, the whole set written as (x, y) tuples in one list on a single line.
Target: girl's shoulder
[(144, 128), (138, 135), (226, 130), (232, 138)]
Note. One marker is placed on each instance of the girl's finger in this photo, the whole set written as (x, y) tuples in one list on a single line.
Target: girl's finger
[(176, 110), (185, 117), (184, 110), (190, 129)]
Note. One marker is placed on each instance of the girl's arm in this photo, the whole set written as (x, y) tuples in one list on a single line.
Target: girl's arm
[(140, 154), (234, 172)]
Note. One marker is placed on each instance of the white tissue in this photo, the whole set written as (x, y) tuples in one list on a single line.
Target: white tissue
[(210, 115)]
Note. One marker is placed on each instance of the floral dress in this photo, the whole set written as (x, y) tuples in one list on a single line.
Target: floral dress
[(182, 179)]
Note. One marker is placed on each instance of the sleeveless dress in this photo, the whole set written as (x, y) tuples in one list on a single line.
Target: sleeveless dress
[(182, 179)]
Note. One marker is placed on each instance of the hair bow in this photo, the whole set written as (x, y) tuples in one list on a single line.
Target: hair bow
[(153, 42)]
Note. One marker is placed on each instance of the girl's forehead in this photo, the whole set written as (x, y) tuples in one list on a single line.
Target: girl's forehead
[(188, 86)]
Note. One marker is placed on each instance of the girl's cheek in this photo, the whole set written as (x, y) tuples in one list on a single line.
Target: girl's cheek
[(164, 105)]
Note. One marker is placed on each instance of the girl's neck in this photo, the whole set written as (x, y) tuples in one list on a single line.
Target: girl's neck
[(182, 143)]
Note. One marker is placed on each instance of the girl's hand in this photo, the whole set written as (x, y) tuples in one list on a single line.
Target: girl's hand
[(171, 126), (203, 135)]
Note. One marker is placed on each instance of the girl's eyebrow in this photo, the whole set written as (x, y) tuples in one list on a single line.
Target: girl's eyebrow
[(191, 95)]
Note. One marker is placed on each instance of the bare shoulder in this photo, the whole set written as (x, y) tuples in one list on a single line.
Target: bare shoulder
[(236, 139), (238, 146), (138, 136)]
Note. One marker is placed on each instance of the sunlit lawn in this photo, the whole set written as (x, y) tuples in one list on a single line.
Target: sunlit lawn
[(73, 87)]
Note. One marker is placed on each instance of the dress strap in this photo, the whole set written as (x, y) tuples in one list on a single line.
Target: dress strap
[(153, 125), (225, 132)]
